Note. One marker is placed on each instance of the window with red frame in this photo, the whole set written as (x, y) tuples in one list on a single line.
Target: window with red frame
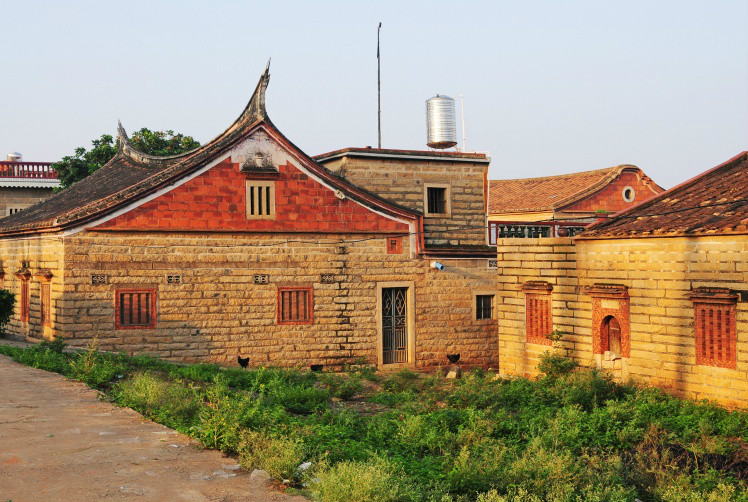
[(44, 300), (715, 333), (25, 299), (538, 318), (394, 245), (295, 305), (135, 309)]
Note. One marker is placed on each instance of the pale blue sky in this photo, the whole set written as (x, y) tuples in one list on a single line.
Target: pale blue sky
[(550, 86)]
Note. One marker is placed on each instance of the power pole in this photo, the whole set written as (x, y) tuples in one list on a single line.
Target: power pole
[(379, 92)]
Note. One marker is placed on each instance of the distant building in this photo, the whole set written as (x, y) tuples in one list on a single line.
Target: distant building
[(23, 184), (558, 206), (658, 293)]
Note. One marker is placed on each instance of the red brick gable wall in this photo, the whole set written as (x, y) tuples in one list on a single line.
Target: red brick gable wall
[(216, 200), (610, 198)]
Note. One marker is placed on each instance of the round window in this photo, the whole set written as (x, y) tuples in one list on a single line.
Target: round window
[(629, 194)]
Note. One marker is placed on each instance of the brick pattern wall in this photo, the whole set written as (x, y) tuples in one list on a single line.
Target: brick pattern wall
[(611, 199), (660, 275), (217, 311), (14, 197), (403, 182), (216, 200)]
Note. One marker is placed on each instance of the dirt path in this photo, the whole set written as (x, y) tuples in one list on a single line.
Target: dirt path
[(59, 442)]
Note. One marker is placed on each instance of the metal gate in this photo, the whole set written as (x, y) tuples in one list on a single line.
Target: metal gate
[(395, 325)]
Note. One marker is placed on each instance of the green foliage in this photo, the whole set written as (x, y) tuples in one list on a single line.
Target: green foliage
[(280, 457), (83, 162), (556, 365), (7, 304), (376, 480), (220, 417), (173, 404), (572, 436)]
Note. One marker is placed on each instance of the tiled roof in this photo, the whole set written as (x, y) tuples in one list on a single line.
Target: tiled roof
[(547, 193), (132, 175), (713, 203)]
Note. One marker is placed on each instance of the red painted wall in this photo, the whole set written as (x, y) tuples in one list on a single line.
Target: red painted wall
[(610, 198), (216, 200)]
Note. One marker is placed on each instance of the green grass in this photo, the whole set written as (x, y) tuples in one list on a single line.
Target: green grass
[(572, 435)]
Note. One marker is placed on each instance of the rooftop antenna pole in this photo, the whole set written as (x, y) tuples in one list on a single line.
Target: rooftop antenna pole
[(379, 92), (464, 140)]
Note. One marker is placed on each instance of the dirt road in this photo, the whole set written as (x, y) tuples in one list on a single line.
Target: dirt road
[(59, 442)]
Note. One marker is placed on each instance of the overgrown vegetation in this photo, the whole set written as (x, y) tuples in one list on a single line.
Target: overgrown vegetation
[(7, 304), (571, 435)]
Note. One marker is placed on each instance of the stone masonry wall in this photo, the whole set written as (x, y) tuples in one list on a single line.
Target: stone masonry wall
[(660, 273), (217, 311), (41, 253), (18, 197), (403, 182)]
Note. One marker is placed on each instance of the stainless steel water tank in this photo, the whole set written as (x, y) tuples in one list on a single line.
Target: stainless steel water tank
[(441, 131)]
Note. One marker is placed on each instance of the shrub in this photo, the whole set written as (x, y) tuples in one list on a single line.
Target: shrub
[(220, 417), (93, 368), (295, 398), (7, 304), (376, 480), (555, 365), (349, 387), (280, 457), (154, 397)]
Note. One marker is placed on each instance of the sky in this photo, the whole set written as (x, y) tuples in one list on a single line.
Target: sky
[(549, 87)]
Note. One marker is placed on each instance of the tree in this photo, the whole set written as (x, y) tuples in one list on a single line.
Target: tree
[(83, 162)]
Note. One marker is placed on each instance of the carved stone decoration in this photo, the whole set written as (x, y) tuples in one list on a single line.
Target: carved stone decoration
[(610, 307)]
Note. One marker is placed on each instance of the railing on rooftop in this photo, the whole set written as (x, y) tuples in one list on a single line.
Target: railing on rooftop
[(27, 170)]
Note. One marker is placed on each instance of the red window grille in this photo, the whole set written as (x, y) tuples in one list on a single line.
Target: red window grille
[(539, 321), (394, 245), (295, 305), (715, 333), (44, 299), (135, 309), (25, 300)]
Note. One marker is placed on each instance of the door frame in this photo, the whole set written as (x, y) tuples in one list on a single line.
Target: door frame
[(411, 319)]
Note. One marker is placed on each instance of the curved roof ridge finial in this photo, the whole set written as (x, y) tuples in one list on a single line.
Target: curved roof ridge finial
[(122, 138), (256, 107)]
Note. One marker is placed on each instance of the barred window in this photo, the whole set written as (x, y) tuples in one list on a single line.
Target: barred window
[(538, 318), (715, 333), (44, 300), (436, 199), (484, 307), (25, 299), (295, 305), (261, 200), (135, 309)]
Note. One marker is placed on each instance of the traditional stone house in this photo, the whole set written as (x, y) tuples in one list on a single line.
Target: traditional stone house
[(556, 206), (248, 246), (23, 184), (658, 293)]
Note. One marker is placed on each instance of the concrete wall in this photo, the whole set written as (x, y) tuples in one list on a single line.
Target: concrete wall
[(402, 181), (218, 311), (660, 274)]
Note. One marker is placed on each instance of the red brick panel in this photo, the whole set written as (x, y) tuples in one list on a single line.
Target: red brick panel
[(607, 301), (216, 200), (394, 245), (611, 199), (45, 310)]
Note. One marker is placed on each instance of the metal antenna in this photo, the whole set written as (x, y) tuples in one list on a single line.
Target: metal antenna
[(379, 92), (464, 138)]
